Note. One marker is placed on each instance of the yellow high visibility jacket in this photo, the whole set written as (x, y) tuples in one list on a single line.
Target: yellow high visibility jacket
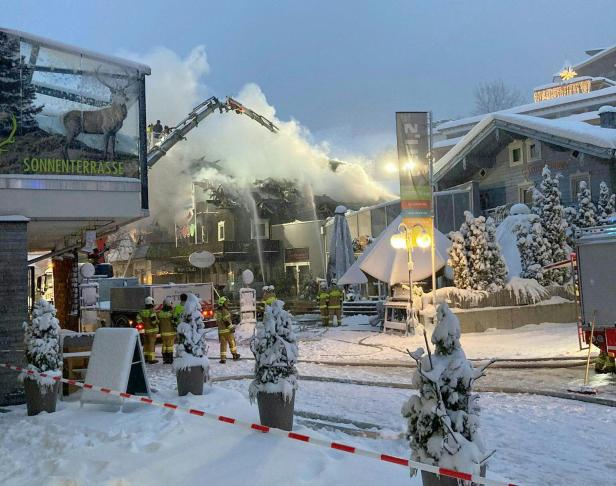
[(149, 319), (165, 322), (323, 299), (178, 310), (270, 300), (223, 319), (335, 298)]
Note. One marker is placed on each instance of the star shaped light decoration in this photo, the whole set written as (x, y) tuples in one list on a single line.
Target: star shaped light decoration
[(567, 73)]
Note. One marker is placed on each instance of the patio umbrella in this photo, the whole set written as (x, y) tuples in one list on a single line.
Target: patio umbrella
[(388, 264), (353, 276), (341, 255)]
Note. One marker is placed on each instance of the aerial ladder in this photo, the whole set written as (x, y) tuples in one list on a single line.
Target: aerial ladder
[(193, 119)]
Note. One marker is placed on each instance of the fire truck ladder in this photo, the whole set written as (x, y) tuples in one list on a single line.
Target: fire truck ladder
[(199, 112)]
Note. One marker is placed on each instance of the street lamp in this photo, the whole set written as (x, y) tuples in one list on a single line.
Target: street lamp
[(407, 238)]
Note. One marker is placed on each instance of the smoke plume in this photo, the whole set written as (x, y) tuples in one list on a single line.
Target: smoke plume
[(245, 149)]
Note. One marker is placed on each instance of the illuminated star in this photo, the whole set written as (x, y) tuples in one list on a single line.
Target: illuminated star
[(567, 73)]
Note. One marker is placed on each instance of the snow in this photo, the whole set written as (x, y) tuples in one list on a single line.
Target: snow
[(607, 109), (14, 218), (356, 320), (527, 290), (507, 240)]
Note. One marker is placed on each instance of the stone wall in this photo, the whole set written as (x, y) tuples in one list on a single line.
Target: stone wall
[(63, 292), (13, 305)]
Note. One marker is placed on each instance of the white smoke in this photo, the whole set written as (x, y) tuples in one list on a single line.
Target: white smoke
[(246, 150)]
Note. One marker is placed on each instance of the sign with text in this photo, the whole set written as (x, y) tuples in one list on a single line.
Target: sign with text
[(296, 255), (412, 134)]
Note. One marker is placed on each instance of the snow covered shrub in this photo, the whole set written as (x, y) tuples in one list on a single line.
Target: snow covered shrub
[(605, 205), (475, 256), (443, 420), (586, 213), (533, 248), (275, 349), (42, 343), (547, 205), (570, 215), (191, 348)]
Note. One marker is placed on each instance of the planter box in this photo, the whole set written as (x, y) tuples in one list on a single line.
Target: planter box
[(275, 411), (40, 398), (190, 380)]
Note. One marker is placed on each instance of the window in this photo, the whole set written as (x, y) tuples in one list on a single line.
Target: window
[(533, 150), (259, 229), (574, 181), (221, 231), (525, 194), (515, 153)]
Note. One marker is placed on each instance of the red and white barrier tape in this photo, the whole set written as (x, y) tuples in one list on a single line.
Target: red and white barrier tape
[(278, 432)]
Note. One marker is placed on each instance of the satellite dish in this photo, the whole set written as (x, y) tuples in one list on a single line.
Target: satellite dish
[(201, 259), (248, 277), (87, 270)]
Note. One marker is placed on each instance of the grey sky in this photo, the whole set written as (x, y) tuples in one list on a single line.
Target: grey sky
[(343, 67)]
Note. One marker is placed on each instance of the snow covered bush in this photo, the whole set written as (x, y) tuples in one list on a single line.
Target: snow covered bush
[(570, 216), (42, 343), (605, 205), (275, 349), (533, 248), (586, 211), (475, 256), (191, 348), (443, 420), (547, 205)]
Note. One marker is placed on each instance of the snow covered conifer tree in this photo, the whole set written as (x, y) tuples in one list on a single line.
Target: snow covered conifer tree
[(586, 213), (275, 349), (479, 252), (458, 260), (547, 205), (443, 420), (42, 342), (191, 348), (534, 251), (498, 268), (605, 205)]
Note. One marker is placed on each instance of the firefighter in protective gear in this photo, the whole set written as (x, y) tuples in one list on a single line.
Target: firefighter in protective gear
[(148, 318), (269, 297), (604, 363), (334, 305), (178, 310), (167, 330), (225, 331), (323, 299)]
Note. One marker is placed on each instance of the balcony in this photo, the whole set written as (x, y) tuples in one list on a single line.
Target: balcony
[(224, 250)]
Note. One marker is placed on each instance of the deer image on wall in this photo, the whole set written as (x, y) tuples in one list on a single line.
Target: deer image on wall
[(104, 121)]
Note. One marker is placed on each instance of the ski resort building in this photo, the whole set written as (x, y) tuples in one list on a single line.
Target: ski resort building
[(493, 161), (72, 166)]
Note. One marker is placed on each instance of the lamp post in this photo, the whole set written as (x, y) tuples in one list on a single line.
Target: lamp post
[(406, 239)]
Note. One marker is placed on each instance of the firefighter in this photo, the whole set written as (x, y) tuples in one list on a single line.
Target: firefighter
[(323, 298), (270, 296), (178, 310), (604, 363), (225, 331), (148, 318), (334, 305), (167, 330)]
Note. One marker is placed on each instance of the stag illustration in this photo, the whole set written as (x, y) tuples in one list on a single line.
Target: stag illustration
[(105, 121)]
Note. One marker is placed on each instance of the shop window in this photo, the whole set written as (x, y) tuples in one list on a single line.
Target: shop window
[(221, 231)]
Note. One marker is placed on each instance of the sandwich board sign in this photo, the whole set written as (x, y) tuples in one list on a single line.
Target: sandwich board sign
[(117, 363)]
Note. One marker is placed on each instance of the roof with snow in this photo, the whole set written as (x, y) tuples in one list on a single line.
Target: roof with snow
[(485, 138), (540, 108), (59, 46)]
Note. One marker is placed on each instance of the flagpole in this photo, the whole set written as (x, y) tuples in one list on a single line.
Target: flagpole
[(430, 161)]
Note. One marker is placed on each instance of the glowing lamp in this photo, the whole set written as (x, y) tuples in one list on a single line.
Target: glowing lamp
[(423, 240), (398, 241)]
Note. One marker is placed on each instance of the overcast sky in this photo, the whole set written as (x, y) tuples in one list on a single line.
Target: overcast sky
[(342, 67)]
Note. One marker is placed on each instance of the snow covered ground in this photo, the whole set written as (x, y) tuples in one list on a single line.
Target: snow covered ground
[(539, 440)]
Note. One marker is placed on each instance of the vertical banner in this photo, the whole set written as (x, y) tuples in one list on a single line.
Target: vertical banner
[(413, 136)]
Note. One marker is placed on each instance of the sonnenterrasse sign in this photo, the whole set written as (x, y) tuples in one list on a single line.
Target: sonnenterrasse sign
[(412, 133), (33, 165)]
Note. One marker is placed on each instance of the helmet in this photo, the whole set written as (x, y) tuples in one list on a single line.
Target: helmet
[(149, 300), (222, 301), (167, 301)]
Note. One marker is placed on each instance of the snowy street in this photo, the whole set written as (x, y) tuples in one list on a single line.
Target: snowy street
[(551, 437)]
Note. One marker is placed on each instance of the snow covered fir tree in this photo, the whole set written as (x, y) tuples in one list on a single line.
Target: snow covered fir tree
[(547, 205), (586, 210), (443, 420), (42, 343), (475, 256), (606, 203), (274, 346), (191, 348), (17, 94), (533, 248)]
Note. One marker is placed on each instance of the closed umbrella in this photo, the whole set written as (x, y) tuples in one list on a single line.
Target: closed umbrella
[(388, 264)]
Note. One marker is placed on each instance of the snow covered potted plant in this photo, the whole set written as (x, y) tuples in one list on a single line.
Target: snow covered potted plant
[(191, 364), (42, 343), (443, 420), (275, 349)]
